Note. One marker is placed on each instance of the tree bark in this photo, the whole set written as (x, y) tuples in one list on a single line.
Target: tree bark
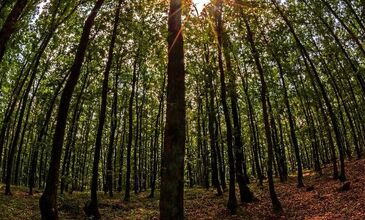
[(172, 167)]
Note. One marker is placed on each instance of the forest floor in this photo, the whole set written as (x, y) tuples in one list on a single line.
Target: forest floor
[(325, 201)]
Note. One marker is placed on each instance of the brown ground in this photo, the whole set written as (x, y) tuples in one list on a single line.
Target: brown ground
[(324, 202)]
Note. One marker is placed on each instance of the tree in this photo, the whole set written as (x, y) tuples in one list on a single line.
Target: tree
[(130, 127), (172, 167), (264, 101), (48, 200), (232, 200), (272, 88), (92, 207)]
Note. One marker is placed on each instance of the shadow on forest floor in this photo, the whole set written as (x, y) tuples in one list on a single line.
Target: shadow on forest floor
[(323, 201)]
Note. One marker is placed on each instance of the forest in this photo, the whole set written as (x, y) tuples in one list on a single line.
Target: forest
[(182, 109)]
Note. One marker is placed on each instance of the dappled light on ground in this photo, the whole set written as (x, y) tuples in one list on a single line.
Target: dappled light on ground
[(324, 201)]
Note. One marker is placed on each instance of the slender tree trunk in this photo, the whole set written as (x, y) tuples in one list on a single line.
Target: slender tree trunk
[(276, 145), (70, 138), (130, 127), (42, 133), (14, 144), (114, 114), (121, 154), (245, 193), (85, 151), (254, 134), (291, 124), (201, 143), (205, 153), (113, 127), (19, 83), (232, 200), (212, 133), (25, 126), (91, 209), (220, 152), (264, 100), (155, 139), (136, 141), (48, 200)]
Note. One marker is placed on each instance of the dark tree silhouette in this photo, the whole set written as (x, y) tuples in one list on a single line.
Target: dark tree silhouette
[(172, 167), (48, 200)]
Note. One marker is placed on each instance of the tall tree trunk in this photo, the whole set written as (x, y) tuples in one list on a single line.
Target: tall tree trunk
[(42, 133), (136, 142), (121, 155), (113, 127), (245, 193), (172, 167), (201, 143), (114, 114), (14, 144), (91, 209), (292, 132), (220, 152), (25, 126), (291, 123), (70, 138), (254, 132), (48, 200), (232, 200), (19, 83), (264, 100), (155, 139), (275, 140), (212, 127), (130, 128)]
